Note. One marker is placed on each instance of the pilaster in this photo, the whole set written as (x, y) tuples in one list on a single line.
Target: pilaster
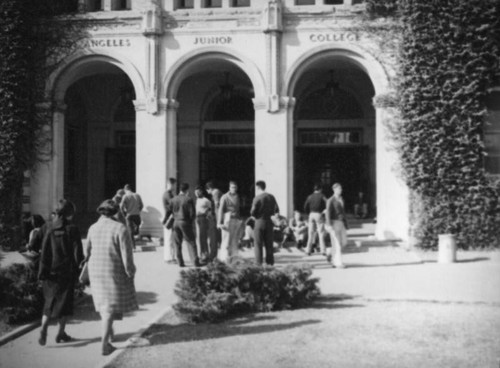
[(273, 29), (392, 193), (57, 166), (152, 30)]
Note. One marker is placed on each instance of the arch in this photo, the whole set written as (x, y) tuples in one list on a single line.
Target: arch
[(75, 67), (359, 57), (183, 67)]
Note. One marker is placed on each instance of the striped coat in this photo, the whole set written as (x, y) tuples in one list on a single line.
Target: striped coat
[(111, 266)]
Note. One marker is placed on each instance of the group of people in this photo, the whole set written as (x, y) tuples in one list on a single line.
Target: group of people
[(211, 223), (107, 254)]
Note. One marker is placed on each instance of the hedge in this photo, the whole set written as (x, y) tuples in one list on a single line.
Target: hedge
[(222, 290)]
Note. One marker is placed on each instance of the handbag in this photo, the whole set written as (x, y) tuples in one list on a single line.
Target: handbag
[(84, 274)]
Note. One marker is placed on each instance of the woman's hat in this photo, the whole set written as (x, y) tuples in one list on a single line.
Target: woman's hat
[(108, 208)]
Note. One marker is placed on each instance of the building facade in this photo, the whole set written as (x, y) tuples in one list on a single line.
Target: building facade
[(243, 90)]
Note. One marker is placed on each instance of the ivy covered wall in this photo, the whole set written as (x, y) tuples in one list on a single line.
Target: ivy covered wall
[(448, 59), (31, 45)]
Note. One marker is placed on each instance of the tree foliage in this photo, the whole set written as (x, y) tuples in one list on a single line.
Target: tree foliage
[(34, 38), (449, 56)]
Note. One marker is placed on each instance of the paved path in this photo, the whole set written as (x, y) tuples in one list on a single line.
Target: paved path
[(154, 284), (372, 273)]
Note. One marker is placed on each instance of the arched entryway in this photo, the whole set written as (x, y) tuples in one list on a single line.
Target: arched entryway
[(215, 127), (334, 131), (98, 139)]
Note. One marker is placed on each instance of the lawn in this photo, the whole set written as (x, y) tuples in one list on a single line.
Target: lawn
[(332, 333)]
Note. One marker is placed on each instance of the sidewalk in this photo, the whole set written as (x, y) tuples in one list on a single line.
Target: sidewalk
[(155, 291), (373, 273)]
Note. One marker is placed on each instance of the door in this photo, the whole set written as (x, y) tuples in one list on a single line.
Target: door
[(224, 164), (119, 170), (327, 165)]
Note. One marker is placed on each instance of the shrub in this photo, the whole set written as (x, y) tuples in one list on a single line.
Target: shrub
[(20, 293), (222, 290)]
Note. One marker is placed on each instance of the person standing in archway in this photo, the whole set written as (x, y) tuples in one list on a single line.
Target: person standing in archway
[(264, 206), (314, 206), (229, 222), (336, 225), (131, 207), (183, 209), (169, 252)]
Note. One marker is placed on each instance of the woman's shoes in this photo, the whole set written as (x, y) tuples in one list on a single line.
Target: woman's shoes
[(42, 340), (63, 337), (108, 349)]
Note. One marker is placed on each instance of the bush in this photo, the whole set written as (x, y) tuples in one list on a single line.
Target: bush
[(21, 294), (222, 290)]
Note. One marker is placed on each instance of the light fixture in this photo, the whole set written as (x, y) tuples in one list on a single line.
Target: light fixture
[(332, 86), (226, 89)]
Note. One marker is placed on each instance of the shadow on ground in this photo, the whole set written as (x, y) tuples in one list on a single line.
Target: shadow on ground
[(85, 311), (174, 330), (166, 333)]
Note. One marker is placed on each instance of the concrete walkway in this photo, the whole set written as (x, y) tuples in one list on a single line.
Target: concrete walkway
[(373, 272)]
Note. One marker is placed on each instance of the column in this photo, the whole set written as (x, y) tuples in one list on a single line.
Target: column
[(151, 166), (392, 193), (171, 106), (57, 178), (274, 152)]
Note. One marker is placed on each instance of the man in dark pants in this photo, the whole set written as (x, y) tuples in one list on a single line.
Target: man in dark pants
[(263, 207), (183, 209)]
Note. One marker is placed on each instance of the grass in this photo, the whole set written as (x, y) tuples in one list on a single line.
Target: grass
[(332, 333)]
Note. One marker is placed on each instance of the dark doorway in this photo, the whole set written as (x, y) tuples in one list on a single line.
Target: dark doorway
[(224, 164), (119, 169), (346, 165)]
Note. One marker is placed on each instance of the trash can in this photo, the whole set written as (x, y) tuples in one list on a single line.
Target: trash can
[(447, 248)]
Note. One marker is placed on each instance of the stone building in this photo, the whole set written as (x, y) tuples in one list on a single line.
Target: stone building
[(280, 91)]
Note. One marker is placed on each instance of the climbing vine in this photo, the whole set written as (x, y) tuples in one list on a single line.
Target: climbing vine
[(33, 40), (448, 58)]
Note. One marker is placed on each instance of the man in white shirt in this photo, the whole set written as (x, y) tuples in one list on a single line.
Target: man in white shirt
[(203, 217)]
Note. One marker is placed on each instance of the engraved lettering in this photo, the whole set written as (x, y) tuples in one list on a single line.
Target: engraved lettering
[(334, 37)]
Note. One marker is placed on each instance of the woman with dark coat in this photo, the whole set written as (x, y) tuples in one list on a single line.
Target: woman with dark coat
[(61, 255), (109, 251)]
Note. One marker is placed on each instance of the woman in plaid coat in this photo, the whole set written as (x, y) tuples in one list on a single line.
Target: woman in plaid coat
[(111, 270)]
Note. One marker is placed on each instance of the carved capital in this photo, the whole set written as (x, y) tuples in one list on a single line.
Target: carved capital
[(140, 105), (172, 104), (287, 102), (260, 103), (59, 106)]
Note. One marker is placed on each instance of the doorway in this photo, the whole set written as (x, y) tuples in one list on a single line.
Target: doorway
[(235, 163), (326, 165)]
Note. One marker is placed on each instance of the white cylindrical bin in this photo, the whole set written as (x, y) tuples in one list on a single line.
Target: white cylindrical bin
[(447, 248)]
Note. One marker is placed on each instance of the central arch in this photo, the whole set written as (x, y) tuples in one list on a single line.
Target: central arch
[(215, 118)]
